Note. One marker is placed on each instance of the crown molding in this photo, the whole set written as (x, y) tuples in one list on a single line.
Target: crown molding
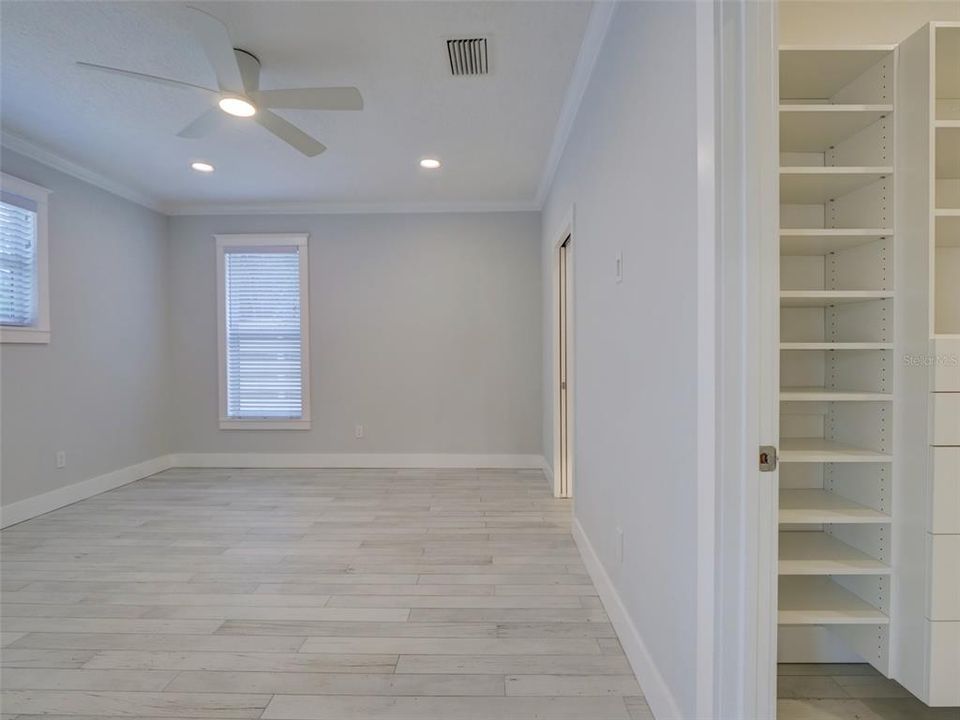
[(34, 151), (350, 208), (597, 25), (45, 156)]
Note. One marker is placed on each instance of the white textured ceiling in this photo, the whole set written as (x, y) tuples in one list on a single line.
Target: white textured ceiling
[(493, 133)]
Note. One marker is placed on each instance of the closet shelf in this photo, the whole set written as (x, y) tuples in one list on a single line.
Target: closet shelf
[(818, 450), (817, 128), (826, 298), (820, 394), (836, 346), (820, 601), (823, 241), (817, 553), (947, 123), (817, 185), (808, 72), (820, 506)]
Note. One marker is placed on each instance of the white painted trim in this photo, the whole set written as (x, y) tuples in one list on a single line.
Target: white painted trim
[(597, 25), (566, 230), (39, 504), (655, 689), (47, 502), (24, 335), (345, 460), (264, 424), (40, 196), (707, 368), (547, 471), (34, 151), (300, 241), (385, 208)]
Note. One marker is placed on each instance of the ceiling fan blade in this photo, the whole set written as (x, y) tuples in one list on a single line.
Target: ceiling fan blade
[(216, 43), (331, 98), (290, 134), (203, 125), (144, 76)]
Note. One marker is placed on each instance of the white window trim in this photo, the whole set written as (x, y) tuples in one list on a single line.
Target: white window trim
[(40, 331), (263, 241)]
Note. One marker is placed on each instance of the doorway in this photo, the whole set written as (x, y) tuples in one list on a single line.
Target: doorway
[(564, 464)]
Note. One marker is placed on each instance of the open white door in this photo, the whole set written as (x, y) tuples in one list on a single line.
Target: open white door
[(748, 408), (563, 353)]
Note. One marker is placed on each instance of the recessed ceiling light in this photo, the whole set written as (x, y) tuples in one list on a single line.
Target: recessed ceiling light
[(237, 106), (202, 167), (430, 163)]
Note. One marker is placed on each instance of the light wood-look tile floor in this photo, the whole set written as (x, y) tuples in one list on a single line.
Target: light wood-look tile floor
[(848, 692), (304, 594)]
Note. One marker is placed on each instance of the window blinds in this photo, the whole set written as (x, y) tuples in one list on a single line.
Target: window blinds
[(18, 263), (262, 323)]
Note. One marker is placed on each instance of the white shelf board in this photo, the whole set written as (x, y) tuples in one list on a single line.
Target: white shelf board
[(817, 506), (947, 212), (817, 128), (818, 450), (815, 185), (820, 601), (946, 123), (826, 298), (819, 394), (836, 346), (823, 241), (808, 72), (817, 553)]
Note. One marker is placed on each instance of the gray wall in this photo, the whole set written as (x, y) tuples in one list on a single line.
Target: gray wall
[(424, 328), (630, 169), (100, 389)]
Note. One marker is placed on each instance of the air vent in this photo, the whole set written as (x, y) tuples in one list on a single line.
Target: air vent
[(468, 56)]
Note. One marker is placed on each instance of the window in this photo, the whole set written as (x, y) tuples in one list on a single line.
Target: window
[(24, 305), (264, 350)]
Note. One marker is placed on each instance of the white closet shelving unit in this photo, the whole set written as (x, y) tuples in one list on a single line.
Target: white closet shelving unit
[(928, 511), (837, 340)]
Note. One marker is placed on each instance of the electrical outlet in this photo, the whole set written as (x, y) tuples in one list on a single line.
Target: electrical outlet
[(61, 459), (358, 432), (619, 540)]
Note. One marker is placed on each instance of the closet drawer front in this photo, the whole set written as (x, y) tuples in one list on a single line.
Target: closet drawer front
[(944, 577), (944, 663), (946, 369), (945, 503), (946, 418)]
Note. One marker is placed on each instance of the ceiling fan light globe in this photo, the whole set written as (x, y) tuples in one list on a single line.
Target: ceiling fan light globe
[(238, 107)]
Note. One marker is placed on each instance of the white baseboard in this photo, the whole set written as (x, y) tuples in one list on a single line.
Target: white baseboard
[(344, 460), (40, 504), (655, 689), (547, 470)]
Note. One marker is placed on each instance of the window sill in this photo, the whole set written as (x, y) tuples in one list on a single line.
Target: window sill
[(24, 335), (232, 424)]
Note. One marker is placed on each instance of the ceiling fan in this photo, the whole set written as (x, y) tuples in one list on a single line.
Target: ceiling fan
[(238, 90)]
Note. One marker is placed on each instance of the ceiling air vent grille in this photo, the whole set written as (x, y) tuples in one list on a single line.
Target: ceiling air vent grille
[(468, 56)]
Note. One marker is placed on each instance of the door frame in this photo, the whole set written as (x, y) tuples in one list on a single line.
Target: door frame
[(565, 236), (746, 34)]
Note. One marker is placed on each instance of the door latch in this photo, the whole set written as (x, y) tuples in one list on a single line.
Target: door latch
[(768, 458)]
